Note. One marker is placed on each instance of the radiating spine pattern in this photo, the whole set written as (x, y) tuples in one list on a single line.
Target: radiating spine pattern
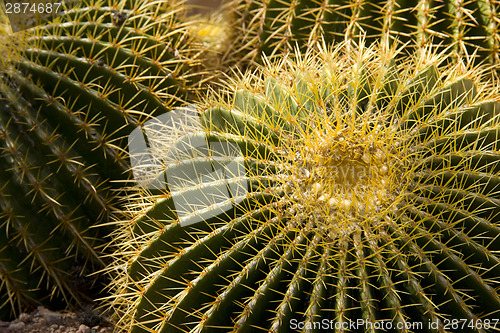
[(370, 191)]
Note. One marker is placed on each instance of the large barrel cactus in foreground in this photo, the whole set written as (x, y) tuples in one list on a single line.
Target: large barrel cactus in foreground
[(369, 199), (78, 87), (271, 27)]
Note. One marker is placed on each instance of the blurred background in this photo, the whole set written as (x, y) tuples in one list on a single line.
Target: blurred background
[(204, 6)]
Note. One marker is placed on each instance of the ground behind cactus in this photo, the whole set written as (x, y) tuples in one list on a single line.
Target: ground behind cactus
[(43, 320)]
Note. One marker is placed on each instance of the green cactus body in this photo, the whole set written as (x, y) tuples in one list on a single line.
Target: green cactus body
[(372, 195), (271, 27), (84, 81)]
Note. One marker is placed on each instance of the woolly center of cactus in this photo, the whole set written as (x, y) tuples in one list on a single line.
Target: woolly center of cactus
[(339, 179)]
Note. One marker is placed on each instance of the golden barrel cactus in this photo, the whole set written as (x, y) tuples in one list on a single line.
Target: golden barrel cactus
[(69, 96), (272, 27), (368, 200)]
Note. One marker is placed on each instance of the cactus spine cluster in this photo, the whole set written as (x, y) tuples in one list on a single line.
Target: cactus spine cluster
[(82, 83), (372, 193), (272, 27)]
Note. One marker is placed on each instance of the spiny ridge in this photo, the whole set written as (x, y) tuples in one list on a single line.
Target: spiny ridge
[(370, 190)]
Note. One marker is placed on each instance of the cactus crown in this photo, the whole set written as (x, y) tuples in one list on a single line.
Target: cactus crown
[(370, 192)]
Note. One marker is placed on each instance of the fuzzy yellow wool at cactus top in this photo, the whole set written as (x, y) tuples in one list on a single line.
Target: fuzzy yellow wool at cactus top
[(372, 189)]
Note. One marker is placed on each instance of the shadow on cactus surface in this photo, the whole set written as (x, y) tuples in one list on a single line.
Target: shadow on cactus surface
[(373, 194), (272, 27), (80, 85)]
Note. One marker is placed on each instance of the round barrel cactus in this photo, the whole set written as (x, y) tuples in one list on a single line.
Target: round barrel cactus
[(273, 26), (81, 83), (336, 191)]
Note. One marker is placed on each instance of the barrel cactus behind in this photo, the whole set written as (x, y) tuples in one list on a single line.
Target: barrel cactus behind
[(273, 26), (370, 191), (82, 83)]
